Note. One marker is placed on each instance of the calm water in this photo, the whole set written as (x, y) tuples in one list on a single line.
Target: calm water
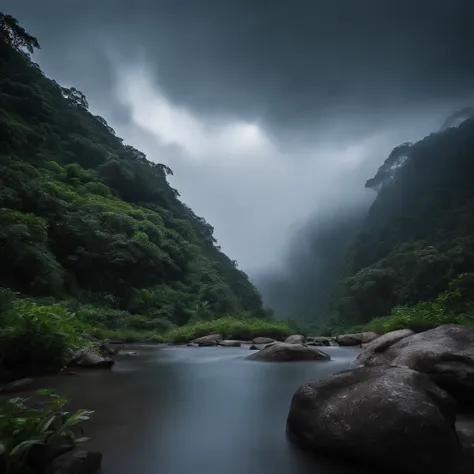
[(180, 410)]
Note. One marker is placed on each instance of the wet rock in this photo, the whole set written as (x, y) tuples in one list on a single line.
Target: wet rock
[(373, 351), (357, 339), (391, 418), (230, 343), (270, 344), (40, 456), (284, 352), (88, 358), (465, 431), (253, 347), (210, 340), (295, 339), (445, 353), (76, 462), (68, 372), (323, 341), (17, 385), (263, 340), (192, 344), (132, 353)]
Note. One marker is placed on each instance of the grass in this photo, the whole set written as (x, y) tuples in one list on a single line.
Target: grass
[(230, 328)]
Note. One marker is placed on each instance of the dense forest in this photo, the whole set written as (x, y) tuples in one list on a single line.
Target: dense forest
[(417, 243), (88, 221)]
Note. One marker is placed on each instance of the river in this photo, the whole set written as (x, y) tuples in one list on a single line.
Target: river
[(180, 410)]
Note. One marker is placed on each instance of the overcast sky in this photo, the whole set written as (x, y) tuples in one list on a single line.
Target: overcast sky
[(269, 112)]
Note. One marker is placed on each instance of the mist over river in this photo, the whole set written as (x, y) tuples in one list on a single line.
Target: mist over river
[(181, 410)]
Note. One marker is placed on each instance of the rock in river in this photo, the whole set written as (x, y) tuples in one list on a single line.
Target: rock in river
[(263, 340), (295, 339), (373, 352), (76, 462), (284, 352), (392, 418), (357, 339), (210, 340), (17, 385), (88, 358), (230, 343), (446, 353)]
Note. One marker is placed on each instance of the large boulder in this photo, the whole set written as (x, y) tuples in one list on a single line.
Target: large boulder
[(373, 351), (391, 418), (263, 340), (88, 358), (357, 339), (284, 352), (445, 353), (295, 339), (230, 343), (210, 340)]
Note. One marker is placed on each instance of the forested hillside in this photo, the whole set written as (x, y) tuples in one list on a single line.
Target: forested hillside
[(418, 239), (87, 219)]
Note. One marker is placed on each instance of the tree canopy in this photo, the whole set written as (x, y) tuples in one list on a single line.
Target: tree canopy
[(87, 218)]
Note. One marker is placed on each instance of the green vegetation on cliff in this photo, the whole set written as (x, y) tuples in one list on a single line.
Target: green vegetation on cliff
[(417, 245), (87, 221)]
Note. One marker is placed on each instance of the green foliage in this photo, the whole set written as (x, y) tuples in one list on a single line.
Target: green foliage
[(230, 328), (24, 425), (86, 218), (36, 339), (419, 233)]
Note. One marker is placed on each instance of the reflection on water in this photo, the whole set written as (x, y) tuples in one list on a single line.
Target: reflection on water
[(180, 410)]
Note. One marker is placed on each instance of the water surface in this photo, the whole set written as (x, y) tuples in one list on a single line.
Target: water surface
[(180, 410)]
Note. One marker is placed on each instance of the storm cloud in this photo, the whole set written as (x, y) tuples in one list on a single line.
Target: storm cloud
[(271, 113)]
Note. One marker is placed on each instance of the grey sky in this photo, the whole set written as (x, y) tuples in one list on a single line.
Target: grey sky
[(268, 111)]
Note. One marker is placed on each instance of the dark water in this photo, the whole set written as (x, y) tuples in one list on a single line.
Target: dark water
[(179, 410)]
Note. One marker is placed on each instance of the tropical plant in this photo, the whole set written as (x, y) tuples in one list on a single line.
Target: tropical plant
[(28, 422)]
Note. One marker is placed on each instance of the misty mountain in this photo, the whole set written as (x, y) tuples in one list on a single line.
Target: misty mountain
[(87, 218), (419, 233)]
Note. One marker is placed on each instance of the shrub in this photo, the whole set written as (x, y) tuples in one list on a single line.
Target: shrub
[(421, 317), (36, 339), (24, 425)]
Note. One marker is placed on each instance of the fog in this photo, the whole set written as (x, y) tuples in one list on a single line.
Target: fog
[(271, 114)]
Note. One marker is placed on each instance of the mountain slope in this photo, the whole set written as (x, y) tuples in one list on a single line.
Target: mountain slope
[(419, 234), (86, 218)]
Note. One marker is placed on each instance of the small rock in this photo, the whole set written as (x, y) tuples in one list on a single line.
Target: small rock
[(192, 344), (230, 343), (68, 372), (132, 353), (357, 339), (253, 347), (88, 358), (76, 462), (263, 340), (17, 385), (295, 339), (284, 352), (210, 340)]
